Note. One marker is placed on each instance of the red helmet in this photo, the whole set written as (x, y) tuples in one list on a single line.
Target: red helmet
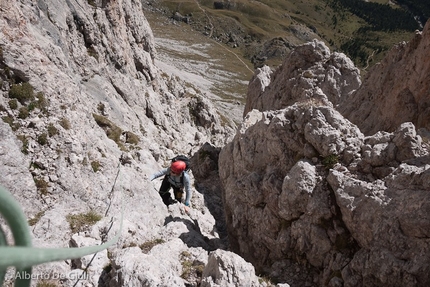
[(178, 167)]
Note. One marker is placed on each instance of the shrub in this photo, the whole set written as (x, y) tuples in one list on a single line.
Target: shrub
[(42, 102), (147, 246), (112, 131), (42, 139), (65, 123), (95, 165), (9, 120), (13, 104), (265, 280), (330, 161), (23, 113), (190, 268), (24, 141), (36, 218), (187, 267), (31, 106), (79, 222), (22, 92), (41, 185), (52, 130), (131, 138)]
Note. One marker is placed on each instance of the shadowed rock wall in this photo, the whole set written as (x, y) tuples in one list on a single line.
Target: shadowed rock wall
[(310, 199)]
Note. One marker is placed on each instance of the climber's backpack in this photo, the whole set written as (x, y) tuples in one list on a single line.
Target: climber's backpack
[(184, 159)]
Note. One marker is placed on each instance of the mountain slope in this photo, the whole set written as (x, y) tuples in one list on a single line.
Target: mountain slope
[(265, 31), (86, 118)]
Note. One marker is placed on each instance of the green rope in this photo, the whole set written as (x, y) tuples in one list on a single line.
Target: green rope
[(17, 222), (23, 256), (3, 242)]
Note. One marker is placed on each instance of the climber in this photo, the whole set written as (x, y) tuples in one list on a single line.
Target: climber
[(175, 177)]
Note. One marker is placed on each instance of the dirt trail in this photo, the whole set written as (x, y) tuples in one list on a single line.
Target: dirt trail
[(207, 16)]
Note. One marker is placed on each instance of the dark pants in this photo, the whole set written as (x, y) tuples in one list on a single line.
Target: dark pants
[(165, 194)]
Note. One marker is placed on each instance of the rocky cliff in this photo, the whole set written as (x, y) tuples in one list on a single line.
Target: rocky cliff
[(326, 182), (396, 90), (311, 197), (86, 118)]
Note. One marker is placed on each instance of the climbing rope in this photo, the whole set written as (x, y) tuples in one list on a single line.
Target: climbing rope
[(22, 255)]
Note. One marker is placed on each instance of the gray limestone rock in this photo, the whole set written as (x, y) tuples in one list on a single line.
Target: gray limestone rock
[(225, 268), (351, 199), (309, 72), (394, 91), (103, 118)]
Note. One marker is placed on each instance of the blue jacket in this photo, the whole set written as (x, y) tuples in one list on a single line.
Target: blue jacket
[(176, 181)]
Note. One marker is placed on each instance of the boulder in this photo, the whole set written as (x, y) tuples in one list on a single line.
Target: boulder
[(308, 198)]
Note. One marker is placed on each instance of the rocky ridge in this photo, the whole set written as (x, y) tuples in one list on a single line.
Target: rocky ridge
[(396, 89), (313, 200), (310, 72)]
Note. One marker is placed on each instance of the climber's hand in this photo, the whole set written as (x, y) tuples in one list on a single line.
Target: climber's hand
[(187, 209)]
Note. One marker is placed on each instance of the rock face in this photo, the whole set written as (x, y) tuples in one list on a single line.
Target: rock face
[(311, 71), (205, 171), (396, 90), (310, 199), (86, 118), (219, 271), (304, 187)]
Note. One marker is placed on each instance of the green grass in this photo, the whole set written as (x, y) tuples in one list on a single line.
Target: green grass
[(36, 218), (330, 161), (41, 185), (79, 222), (46, 283), (42, 139), (65, 123), (52, 130), (25, 143), (95, 165), (23, 92), (190, 268), (148, 245), (335, 24)]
